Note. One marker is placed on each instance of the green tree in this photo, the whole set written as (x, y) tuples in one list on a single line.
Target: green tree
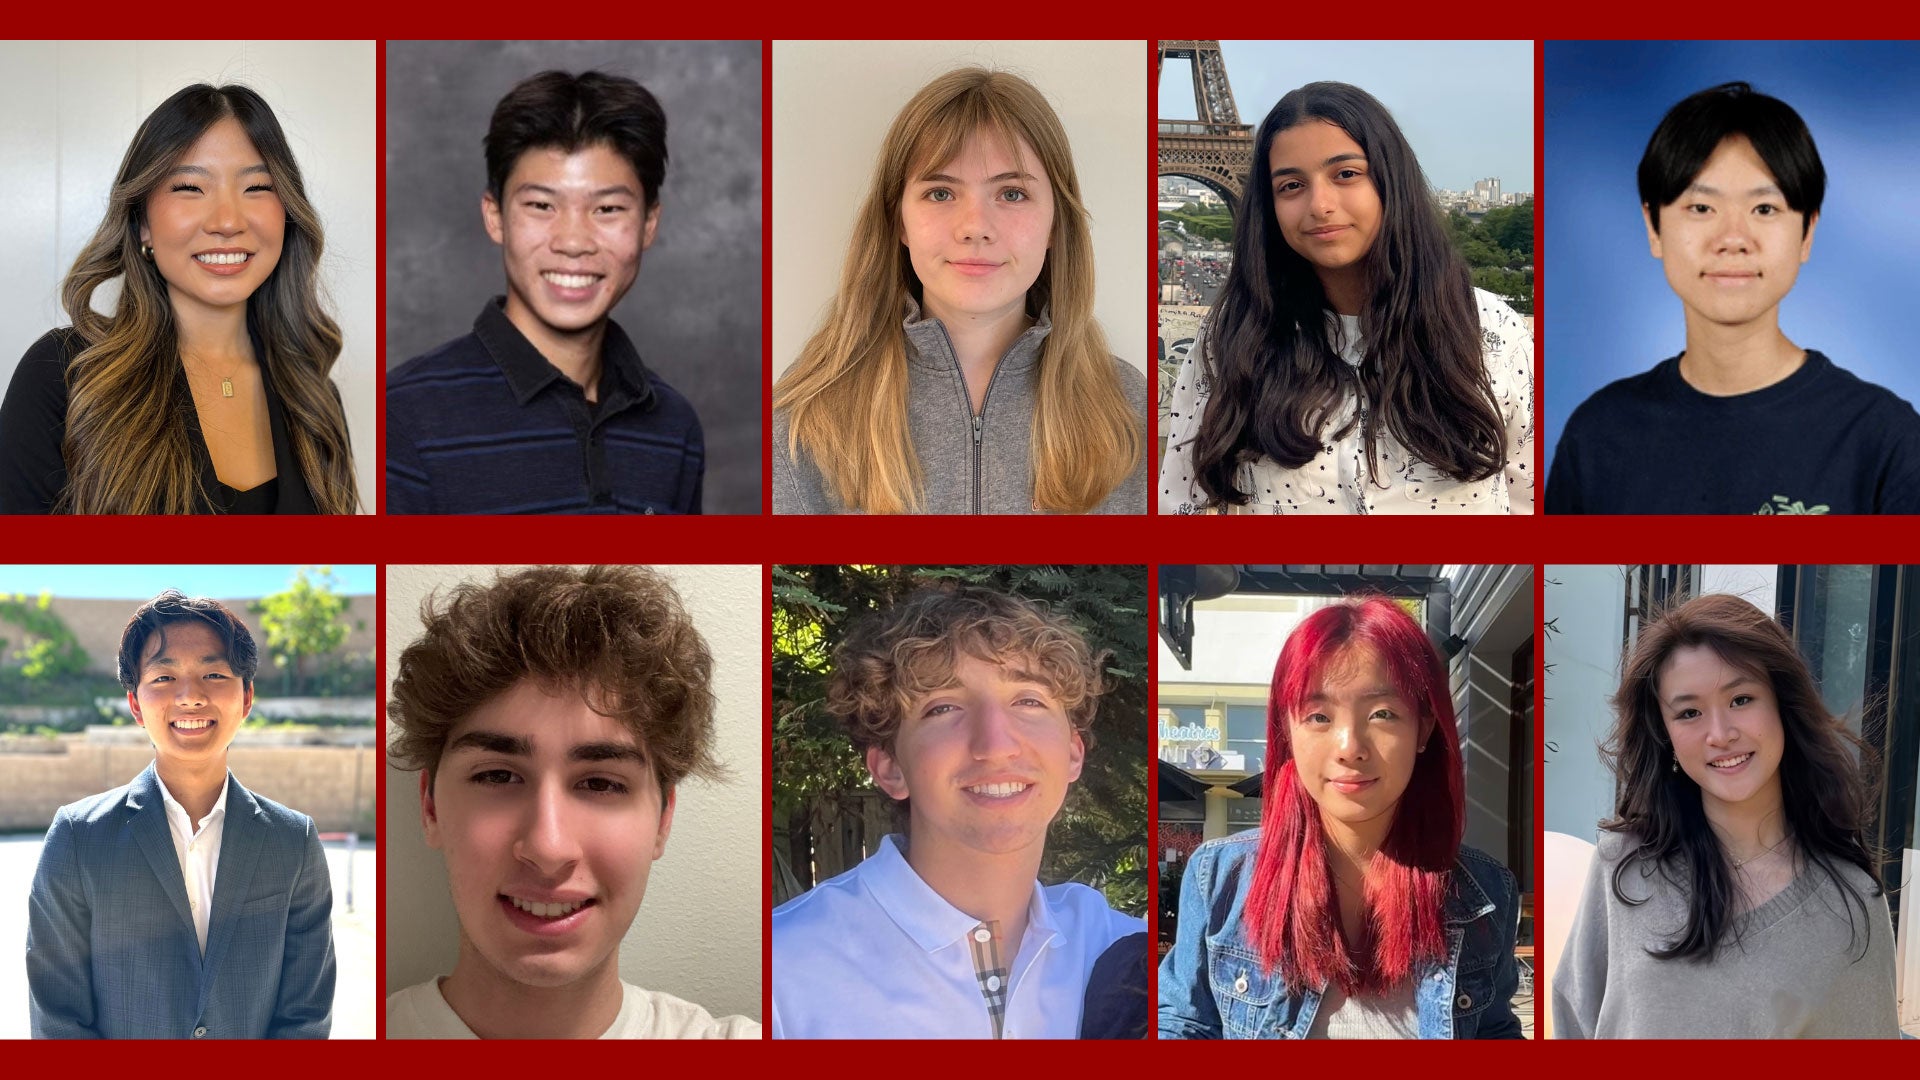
[(302, 622), (1100, 837), (49, 652)]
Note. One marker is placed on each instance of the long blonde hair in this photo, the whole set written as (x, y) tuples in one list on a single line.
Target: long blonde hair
[(846, 395), (127, 447)]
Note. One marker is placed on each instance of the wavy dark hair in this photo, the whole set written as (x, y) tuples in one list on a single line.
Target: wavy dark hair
[(1823, 792), (1277, 378), (127, 447)]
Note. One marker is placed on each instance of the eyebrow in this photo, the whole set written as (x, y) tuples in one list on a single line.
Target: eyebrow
[(1285, 170), (1370, 694), (1738, 680), (494, 742), (943, 178), (1708, 189), (168, 661), (200, 170), (598, 193)]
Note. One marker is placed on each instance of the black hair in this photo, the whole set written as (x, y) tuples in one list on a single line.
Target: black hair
[(171, 608), (1692, 130), (555, 109), (1277, 378)]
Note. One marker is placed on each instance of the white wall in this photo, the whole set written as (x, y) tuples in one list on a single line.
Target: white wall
[(1583, 661), (833, 102), (698, 932), (1754, 584), (71, 111)]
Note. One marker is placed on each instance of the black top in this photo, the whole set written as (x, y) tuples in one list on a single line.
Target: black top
[(33, 423), (1820, 441), (485, 425), (1115, 1005)]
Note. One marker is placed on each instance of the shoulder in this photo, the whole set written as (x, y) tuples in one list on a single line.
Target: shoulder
[(1133, 381), (1622, 401), (94, 809), (1888, 405), (1084, 911), (671, 406), (1489, 874), (1227, 856), (669, 1017), (1499, 323), (831, 903), (463, 359), (420, 1012), (278, 817), (42, 371)]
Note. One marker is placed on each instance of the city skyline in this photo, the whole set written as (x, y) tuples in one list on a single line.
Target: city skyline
[(1424, 84)]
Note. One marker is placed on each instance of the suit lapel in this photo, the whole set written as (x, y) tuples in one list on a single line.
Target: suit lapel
[(240, 845), (155, 837)]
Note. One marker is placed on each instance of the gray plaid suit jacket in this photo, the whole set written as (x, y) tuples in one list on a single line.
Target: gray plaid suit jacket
[(111, 949)]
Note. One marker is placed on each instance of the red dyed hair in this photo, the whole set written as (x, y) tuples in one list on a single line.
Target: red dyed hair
[(1292, 913)]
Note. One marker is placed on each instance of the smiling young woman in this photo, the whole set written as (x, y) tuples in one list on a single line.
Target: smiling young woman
[(1354, 911), (1349, 367), (1733, 894), (206, 390), (960, 368)]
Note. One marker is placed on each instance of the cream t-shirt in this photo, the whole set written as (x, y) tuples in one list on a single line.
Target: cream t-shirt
[(422, 1012)]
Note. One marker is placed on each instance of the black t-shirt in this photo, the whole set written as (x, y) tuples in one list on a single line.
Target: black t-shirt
[(1820, 441)]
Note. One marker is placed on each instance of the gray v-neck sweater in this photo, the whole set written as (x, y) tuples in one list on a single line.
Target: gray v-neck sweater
[(970, 463), (1793, 972)]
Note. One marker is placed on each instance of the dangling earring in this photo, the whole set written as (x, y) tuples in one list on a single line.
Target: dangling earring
[(146, 252), (1676, 763)]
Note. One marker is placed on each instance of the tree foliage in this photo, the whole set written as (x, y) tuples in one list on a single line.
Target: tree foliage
[(303, 621), (1499, 248), (1100, 837)]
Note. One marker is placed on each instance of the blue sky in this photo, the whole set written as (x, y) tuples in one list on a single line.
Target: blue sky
[(1466, 106), (140, 582)]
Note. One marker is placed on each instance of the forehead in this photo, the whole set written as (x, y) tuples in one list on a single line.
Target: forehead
[(552, 719), (976, 155), (1307, 144), (1735, 164), (1701, 669), (593, 167), (1356, 667), (188, 640), (225, 141)]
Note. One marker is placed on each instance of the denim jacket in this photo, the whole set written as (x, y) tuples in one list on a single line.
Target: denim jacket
[(1212, 985)]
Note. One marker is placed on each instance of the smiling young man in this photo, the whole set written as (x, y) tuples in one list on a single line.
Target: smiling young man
[(546, 407), (974, 710), (1744, 421), (182, 905), (551, 715)]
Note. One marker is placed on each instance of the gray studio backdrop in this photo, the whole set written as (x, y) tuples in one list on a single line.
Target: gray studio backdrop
[(694, 312)]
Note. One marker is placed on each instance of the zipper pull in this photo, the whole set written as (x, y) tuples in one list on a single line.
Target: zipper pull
[(976, 429)]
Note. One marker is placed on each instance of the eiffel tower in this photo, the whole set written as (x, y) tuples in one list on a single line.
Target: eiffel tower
[(1216, 149)]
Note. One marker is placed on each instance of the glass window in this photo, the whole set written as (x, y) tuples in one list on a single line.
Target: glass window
[(1832, 628), (1247, 734)]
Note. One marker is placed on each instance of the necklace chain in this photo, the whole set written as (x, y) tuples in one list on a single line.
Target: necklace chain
[(1776, 846)]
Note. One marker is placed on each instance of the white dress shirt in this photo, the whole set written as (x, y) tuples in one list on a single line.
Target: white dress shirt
[(876, 953), (1335, 481), (198, 850), (421, 1012)]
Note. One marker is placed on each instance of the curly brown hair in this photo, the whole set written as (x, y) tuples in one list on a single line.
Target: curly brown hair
[(616, 633), (892, 658)]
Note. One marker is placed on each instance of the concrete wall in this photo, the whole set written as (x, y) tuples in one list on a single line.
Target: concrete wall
[(698, 933), (321, 781), (98, 624)]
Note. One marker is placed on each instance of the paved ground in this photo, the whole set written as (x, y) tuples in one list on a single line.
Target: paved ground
[(353, 937)]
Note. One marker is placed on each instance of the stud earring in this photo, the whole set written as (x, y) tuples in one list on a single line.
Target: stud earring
[(146, 252)]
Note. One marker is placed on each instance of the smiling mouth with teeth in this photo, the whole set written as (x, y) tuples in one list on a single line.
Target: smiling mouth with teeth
[(999, 791), (1732, 762), (570, 281), (226, 259), (548, 911), (191, 725)]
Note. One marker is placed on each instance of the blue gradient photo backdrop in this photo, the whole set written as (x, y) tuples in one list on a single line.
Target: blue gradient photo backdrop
[(1607, 311)]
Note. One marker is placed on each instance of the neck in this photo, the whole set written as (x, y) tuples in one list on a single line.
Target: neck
[(991, 888), (194, 785), (980, 340), (1346, 288), (498, 1007), (212, 335), (576, 353), (1726, 360), (1350, 847), (1749, 827)]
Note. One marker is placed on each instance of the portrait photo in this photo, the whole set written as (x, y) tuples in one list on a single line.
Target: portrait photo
[(189, 326), (573, 242)]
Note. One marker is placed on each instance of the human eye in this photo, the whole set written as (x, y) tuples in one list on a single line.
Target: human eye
[(1685, 714), (263, 186), (161, 679), (604, 785), (610, 208), (177, 188), (940, 708), (537, 204), (1742, 699), (1383, 713), (1287, 187), (1349, 172), (1698, 209), (938, 194), (1766, 210), (1316, 719), (493, 777), (1015, 195)]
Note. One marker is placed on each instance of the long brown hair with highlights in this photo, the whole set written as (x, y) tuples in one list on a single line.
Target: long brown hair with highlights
[(127, 446)]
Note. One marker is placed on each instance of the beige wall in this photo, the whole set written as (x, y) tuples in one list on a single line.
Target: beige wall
[(97, 625), (315, 780)]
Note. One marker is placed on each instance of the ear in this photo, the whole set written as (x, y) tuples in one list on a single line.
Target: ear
[(490, 214), (652, 223), (246, 702), (1076, 758), (1806, 243), (146, 234), (1653, 234), (666, 826), (887, 774), (134, 704), (429, 815)]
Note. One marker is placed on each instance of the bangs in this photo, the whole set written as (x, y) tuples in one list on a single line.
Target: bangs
[(942, 139)]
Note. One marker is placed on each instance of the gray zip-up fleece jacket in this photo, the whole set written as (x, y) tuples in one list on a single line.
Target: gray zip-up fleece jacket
[(970, 464)]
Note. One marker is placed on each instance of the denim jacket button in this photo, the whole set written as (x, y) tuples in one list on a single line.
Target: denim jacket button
[(1463, 1002), (1240, 984)]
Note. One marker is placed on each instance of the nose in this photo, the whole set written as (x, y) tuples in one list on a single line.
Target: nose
[(1733, 237), (225, 216), (990, 736), (547, 840), (1321, 201), (1351, 741), (573, 233), (189, 692), (970, 221), (1720, 730)]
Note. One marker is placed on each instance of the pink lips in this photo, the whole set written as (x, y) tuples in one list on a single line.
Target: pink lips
[(1352, 786), (1731, 277), (227, 269), (974, 267), (1328, 232), (542, 927)]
